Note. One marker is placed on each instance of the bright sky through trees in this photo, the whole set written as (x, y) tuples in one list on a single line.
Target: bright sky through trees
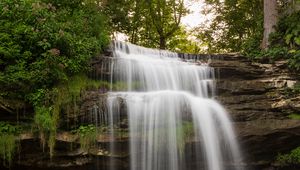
[(192, 20), (195, 18)]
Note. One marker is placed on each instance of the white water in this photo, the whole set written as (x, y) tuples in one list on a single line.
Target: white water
[(164, 97)]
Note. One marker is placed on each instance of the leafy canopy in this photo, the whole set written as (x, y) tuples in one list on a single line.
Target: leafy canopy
[(151, 23), (43, 42)]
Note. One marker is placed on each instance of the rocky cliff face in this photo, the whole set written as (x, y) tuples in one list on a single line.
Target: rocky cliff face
[(256, 95)]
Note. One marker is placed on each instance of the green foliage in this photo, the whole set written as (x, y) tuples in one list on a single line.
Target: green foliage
[(8, 143), (87, 136), (270, 54), (43, 118), (294, 60), (294, 116), (292, 92), (284, 43), (181, 42), (7, 148), (165, 16), (287, 37), (148, 23), (47, 124), (50, 103), (251, 46), (38, 97), (292, 158), (6, 128), (237, 25), (42, 42)]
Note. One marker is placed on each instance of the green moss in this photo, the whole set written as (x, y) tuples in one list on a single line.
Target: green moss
[(46, 124), (272, 94), (87, 136), (43, 118), (50, 103), (80, 83), (7, 148), (292, 158), (63, 98), (51, 143), (8, 142), (294, 116)]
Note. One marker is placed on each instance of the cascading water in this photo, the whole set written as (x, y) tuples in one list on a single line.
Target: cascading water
[(169, 104)]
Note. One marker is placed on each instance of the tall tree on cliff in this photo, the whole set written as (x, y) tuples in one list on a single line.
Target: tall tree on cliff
[(270, 20), (234, 25), (165, 16)]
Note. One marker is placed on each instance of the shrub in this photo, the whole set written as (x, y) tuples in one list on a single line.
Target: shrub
[(292, 158), (43, 42), (8, 142), (87, 136)]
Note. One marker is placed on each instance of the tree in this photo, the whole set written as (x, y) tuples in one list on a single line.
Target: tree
[(148, 22), (183, 42), (270, 20), (234, 25), (43, 42), (166, 16)]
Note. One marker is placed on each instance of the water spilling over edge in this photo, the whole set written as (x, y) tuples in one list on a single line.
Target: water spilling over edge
[(169, 103)]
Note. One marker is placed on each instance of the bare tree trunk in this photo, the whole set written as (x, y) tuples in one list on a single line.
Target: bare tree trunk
[(162, 43), (270, 20)]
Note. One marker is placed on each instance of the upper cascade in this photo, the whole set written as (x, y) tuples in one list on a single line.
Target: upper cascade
[(146, 69)]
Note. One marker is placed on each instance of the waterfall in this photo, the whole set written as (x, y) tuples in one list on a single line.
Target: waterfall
[(172, 116)]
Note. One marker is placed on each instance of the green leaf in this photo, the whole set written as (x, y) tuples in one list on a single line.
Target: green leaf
[(288, 38), (292, 51), (297, 40)]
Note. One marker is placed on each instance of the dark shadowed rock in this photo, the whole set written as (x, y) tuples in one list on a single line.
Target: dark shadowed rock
[(253, 93)]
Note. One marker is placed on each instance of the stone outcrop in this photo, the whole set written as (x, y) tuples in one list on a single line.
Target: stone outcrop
[(253, 93), (255, 96)]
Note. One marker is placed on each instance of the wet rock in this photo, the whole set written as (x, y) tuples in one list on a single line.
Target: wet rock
[(66, 137), (253, 95), (291, 103), (251, 92)]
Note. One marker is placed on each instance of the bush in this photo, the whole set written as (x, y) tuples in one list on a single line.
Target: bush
[(47, 124), (292, 158), (284, 43), (43, 42), (287, 36), (8, 143), (87, 136)]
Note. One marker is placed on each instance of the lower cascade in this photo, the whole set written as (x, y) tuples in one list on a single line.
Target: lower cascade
[(173, 121)]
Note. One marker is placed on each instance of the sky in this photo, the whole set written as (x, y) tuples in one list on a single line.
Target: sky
[(195, 17)]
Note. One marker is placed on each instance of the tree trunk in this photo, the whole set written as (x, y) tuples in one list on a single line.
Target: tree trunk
[(270, 20), (162, 42)]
